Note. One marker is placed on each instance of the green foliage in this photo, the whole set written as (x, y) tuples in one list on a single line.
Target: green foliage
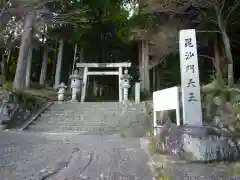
[(12, 64), (139, 20), (80, 18)]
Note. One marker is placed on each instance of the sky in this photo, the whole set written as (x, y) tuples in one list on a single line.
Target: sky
[(131, 7)]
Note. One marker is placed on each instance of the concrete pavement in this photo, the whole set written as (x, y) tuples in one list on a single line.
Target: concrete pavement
[(69, 156)]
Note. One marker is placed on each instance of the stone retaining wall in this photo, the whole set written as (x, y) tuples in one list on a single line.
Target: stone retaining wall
[(19, 107)]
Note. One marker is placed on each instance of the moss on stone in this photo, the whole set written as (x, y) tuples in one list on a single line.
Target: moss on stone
[(28, 104)]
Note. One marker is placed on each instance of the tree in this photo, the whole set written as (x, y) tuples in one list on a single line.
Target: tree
[(67, 21), (218, 12), (59, 63), (19, 80), (29, 67), (44, 65), (221, 13)]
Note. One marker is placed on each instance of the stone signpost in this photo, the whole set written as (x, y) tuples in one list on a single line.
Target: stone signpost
[(191, 98), (193, 141)]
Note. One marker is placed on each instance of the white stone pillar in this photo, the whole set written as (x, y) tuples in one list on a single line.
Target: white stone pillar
[(137, 92), (119, 83), (74, 94), (125, 94), (141, 70), (84, 85)]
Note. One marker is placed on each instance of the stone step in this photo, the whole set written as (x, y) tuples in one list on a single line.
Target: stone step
[(93, 118), (89, 117), (96, 129), (96, 110), (94, 105), (98, 115), (87, 104), (79, 123)]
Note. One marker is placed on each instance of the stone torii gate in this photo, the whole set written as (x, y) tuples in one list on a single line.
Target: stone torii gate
[(87, 73)]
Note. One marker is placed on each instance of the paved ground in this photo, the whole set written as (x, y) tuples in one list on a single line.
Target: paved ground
[(37, 156), (99, 154), (180, 170), (65, 156)]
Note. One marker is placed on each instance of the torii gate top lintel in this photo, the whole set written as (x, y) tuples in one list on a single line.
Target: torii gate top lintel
[(103, 65)]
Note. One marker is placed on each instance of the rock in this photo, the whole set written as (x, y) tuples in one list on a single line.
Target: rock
[(235, 98), (228, 107), (208, 106), (200, 143), (217, 120), (218, 101), (17, 107)]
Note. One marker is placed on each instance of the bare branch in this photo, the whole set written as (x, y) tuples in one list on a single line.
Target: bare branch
[(156, 62), (206, 56), (206, 31), (4, 8), (230, 12), (208, 17), (222, 7)]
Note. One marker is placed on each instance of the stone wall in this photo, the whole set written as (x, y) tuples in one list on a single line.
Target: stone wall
[(17, 108), (223, 109), (217, 140)]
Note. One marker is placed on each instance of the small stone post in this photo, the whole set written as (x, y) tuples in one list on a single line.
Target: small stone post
[(61, 91), (76, 81), (137, 92), (125, 84)]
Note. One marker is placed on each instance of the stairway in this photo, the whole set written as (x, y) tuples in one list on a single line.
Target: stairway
[(92, 118)]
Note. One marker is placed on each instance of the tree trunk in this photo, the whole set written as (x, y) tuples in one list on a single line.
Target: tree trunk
[(59, 64), (158, 78), (74, 58), (20, 75), (29, 66), (4, 67), (54, 62), (141, 72), (69, 80), (154, 78), (146, 68), (217, 61), (227, 47), (44, 66), (81, 61), (82, 55)]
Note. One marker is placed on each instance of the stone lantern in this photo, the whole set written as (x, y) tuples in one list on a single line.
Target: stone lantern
[(125, 84), (76, 81), (61, 91)]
